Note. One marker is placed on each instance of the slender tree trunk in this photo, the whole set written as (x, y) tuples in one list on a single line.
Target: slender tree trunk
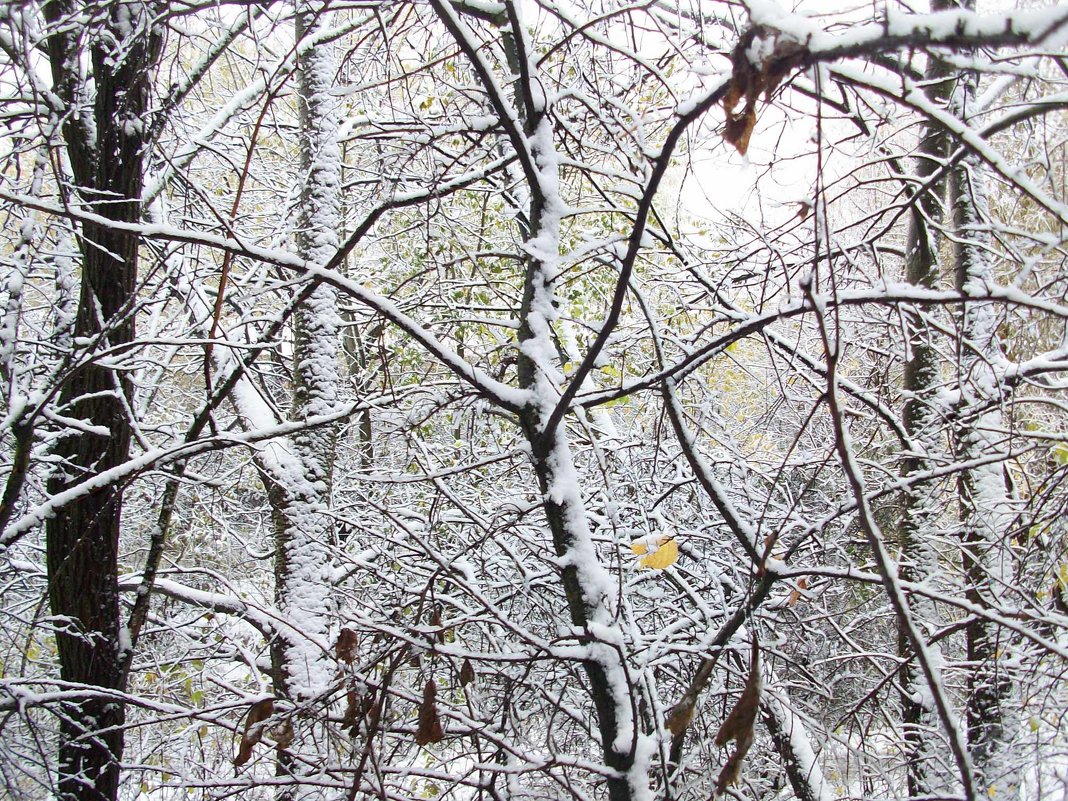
[(923, 419), (791, 739), (985, 499), (102, 133), (300, 491), (586, 584)]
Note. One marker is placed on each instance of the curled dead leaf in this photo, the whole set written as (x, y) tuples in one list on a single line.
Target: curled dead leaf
[(729, 775), (749, 80), (467, 673), (436, 622), (739, 129), (795, 594), (345, 647), (678, 718), (429, 729), (740, 723), (253, 731), (283, 734), (352, 708)]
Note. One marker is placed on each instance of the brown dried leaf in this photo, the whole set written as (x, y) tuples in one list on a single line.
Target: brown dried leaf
[(785, 58), (740, 723), (352, 709), (795, 595), (743, 75), (253, 733), (435, 621), (429, 730), (283, 734), (678, 718), (467, 673), (748, 81), (371, 712), (740, 128), (345, 647), (735, 92), (729, 774), (244, 753), (741, 720)]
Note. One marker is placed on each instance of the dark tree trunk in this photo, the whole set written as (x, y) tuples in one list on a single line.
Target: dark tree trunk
[(919, 550), (561, 516), (984, 492), (103, 139)]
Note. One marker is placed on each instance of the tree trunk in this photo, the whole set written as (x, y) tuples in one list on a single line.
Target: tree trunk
[(920, 558), (106, 153), (986, 512), (791, 739), (586, 584), (300, 495)]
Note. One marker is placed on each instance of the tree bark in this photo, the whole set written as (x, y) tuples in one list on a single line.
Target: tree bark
[(300, 493), (984, 494), (792, 741), (584, 580), (103, 138), (917, 531)]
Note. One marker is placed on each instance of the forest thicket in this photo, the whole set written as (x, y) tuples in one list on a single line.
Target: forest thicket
[(533, 400)]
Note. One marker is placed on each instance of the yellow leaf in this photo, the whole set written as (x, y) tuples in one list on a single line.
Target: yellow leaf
[(1060, 453), (641, 546), (664, 556)]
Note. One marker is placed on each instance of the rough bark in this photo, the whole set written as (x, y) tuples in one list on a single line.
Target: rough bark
[(791, 738), (566, 517), (920, 555), (300, 487), (103, 138), (984, 493)]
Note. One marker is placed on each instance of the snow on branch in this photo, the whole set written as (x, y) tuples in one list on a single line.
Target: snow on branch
[(955, 29)]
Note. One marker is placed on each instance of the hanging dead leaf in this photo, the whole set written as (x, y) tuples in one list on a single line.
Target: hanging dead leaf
[(436, 622), (467, 673), (345, 647), (352, 708), (749, 80), (729, 775), (253, 732), (283, 734), (739, 129), (795, 594), (740, 723), (371, 712), (678, 718), (429, 730), (744, 88)]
